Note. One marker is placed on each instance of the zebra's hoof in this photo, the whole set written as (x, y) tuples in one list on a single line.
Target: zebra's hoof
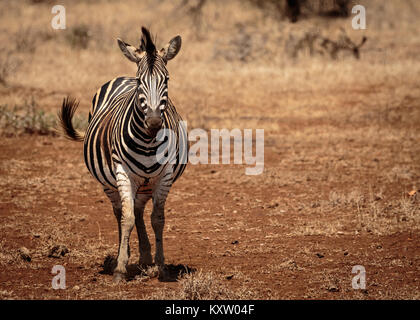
[(164, 275), (118, 277)]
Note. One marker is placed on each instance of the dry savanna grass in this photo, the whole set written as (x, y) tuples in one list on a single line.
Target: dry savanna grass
[(341, 178)]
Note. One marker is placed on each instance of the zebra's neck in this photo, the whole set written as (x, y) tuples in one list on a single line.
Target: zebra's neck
[(137, 130)]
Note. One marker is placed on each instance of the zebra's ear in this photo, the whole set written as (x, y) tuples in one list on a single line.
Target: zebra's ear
[(171, 49), (129, 51)]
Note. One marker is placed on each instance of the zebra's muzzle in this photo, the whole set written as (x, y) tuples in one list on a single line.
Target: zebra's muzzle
[(154, 124)]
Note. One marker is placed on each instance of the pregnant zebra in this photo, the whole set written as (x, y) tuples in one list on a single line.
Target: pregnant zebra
[(135, 146)]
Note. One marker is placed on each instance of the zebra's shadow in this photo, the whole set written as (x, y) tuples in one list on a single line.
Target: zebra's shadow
[(174, 272)]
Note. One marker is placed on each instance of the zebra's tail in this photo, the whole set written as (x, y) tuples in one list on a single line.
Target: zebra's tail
[(65, 115)]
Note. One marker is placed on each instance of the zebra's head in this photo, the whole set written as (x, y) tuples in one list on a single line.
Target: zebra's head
[(152, 75)]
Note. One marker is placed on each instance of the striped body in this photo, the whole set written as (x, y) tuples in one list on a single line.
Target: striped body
[(116, 134)]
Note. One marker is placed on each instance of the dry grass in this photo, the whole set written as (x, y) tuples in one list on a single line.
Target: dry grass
[(7, 257), (203, 286), (28, 118)]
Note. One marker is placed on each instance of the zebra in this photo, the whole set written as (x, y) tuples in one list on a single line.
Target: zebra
[(123, 141)]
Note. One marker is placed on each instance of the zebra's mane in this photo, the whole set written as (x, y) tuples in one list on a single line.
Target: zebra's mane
[(147, 44)]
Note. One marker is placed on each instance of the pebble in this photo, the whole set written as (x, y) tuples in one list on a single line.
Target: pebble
[(25, 254), (58, 251)]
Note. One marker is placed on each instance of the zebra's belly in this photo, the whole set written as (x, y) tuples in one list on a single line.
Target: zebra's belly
[(100, 163)]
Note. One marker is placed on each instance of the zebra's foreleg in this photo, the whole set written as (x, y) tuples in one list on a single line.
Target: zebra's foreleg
[(118, 213), (158, 222), (144, 244), (125, 190)]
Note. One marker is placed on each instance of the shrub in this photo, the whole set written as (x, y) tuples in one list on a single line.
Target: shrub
[(79, 36), (28, 118)]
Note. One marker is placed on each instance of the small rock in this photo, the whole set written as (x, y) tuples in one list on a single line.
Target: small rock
[(320, 255), (315, 205), (25, 254), (58, 251), (332, 285), (76, 288), (235, 242), (346, 253), (273, 205), (333, 288), (229, 277)]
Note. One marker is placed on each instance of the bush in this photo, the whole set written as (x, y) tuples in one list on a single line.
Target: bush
[(26, 118), (29, 119), (79, 36)]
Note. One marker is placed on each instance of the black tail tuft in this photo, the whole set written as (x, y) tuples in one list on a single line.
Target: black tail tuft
[(65, 115)]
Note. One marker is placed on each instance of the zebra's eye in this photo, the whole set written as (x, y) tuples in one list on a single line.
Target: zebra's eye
[(162, 104), (143, 105)]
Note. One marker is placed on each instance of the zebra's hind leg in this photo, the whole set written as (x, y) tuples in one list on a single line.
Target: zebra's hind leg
[(144, 244)]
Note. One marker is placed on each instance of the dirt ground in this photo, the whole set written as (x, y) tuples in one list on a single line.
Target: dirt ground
[(340, 186), (280, 240)]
